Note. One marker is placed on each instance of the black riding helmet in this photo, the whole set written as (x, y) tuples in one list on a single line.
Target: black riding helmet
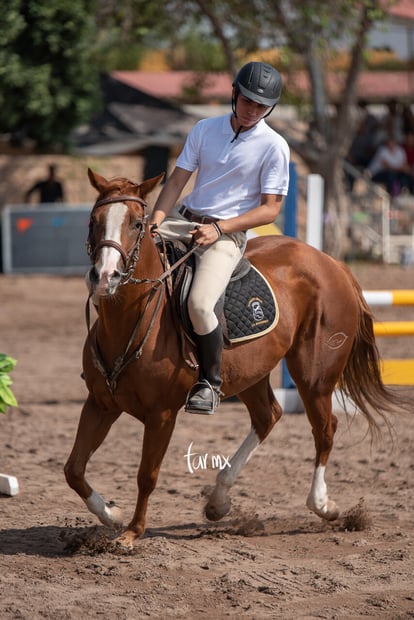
[(258, 82)]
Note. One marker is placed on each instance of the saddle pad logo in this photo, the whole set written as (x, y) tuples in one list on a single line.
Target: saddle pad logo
[(250, 307), (255, 305)]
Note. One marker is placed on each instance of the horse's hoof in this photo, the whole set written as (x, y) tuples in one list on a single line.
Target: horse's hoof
[(332, 511), (214, 512), (125, 542), (328, 512), (113, 516)]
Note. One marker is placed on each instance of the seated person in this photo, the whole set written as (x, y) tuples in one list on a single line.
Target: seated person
[(364, 143), (389, 167)]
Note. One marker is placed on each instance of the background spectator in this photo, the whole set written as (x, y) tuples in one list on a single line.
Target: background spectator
[(408, 147), (365, 141), (48, 189), (392, 123), (389, 167), (407, 119)]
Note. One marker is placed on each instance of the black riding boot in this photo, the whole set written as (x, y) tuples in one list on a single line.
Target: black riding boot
[(204, 396)]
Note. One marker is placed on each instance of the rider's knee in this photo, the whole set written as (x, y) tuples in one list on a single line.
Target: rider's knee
[(199, 312)]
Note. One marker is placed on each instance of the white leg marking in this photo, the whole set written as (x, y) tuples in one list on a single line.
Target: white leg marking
[(318, 496), (107, 514), (219, 503), (228, 475), (318, 500)]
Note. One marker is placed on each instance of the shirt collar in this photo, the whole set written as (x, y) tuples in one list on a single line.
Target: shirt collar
[(243, 135)]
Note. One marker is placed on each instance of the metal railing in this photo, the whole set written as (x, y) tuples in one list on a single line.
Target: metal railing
[(372, 193)]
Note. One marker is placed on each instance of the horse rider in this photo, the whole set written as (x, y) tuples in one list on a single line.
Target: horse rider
[(242, 176)]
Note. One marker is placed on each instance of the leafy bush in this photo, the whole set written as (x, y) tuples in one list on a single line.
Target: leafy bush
[(7, 398)]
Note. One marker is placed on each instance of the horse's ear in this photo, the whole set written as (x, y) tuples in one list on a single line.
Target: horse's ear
[(147, 186), (97, 181)]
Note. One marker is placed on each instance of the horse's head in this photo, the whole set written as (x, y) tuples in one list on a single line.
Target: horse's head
[(117, 225)]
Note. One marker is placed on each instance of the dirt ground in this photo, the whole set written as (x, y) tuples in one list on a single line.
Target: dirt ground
[(270, 558)]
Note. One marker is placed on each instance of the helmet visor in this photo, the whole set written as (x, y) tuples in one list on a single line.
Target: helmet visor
[(255, 96)]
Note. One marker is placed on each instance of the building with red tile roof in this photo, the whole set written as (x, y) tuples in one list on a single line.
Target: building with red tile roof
[(216, 87), (173, 84), (375, 86), (403, 10)]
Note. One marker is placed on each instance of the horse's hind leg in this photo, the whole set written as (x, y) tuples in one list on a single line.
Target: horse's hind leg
[(264, 412), (93, 427), (319, 411)]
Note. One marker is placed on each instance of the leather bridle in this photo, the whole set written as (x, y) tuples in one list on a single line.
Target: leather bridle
[(129, 258)]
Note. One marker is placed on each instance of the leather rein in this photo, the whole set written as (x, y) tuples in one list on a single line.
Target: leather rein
[(130, 260)]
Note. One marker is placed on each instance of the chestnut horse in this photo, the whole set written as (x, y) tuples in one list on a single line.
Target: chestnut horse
[(133, 361)]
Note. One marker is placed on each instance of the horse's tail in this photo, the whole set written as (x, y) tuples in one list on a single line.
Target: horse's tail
[(361, 379)]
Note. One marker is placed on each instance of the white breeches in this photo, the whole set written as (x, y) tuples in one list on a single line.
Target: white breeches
[(214, 267)]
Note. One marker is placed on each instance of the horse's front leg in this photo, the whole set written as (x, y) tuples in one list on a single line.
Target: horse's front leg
[(94, 425), (157, 437), (324, 423)]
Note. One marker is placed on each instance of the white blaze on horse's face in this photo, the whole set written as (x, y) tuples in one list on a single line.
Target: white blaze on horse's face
[(108, 265)]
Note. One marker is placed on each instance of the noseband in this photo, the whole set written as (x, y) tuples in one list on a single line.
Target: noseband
[(129, 258)]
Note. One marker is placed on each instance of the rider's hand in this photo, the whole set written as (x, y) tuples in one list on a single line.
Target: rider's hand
[(206, 234)]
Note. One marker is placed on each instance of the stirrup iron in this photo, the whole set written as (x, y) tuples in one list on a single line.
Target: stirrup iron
[(205, 404)]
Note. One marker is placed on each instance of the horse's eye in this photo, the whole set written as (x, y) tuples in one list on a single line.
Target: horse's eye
[(138, 224)]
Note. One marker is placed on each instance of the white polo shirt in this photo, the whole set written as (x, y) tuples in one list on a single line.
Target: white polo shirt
[(231, 176)]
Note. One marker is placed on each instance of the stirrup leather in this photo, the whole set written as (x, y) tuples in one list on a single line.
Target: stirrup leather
[(204, 405)]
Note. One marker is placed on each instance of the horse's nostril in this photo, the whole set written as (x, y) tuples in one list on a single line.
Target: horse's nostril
[(116, 275), (94, 275), (113, 282)]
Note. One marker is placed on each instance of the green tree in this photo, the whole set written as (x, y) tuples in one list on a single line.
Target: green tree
[(48, 84), (312, 31), (126, 30)]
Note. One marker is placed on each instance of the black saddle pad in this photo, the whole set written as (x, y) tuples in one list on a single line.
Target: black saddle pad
[(250, 307)]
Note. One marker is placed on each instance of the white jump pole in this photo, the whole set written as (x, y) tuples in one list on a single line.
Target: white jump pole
[(314, 224), (8, 485)]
